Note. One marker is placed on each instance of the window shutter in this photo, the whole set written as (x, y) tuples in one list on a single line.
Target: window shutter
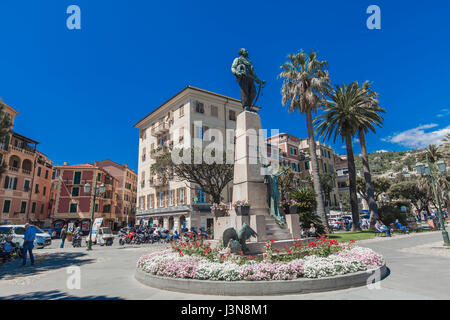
[(6, 182), (177, 199), (15, 184)]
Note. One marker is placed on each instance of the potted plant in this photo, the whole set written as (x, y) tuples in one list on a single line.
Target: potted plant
[(289, 206), (219, 209), (69, 235), (242, 207)]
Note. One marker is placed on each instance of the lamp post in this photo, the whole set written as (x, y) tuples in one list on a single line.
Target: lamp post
[(427, 170), (98, 190)]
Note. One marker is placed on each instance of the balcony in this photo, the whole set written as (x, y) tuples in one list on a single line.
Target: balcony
[(12, 168), (25, 171), (28, 151), (158, 151), (161, 128)]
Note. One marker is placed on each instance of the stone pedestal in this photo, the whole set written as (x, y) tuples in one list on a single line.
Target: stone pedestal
[(293, 223), (248, 175)]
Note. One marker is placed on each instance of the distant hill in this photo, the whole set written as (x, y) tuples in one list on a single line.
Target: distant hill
[(382, 162)]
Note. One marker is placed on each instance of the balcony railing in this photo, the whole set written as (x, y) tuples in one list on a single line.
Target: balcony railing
[(26, 151), (25, 171), (158, 151), (13, 168), (160, 129)]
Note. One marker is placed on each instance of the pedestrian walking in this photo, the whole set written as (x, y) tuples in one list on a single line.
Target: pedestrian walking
[(28, 244), (63, 236)]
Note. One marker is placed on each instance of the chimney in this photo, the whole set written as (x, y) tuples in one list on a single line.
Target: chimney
[(65, 163)]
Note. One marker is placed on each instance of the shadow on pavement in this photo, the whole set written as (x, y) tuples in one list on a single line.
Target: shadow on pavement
[(43, 263), (54, 295)]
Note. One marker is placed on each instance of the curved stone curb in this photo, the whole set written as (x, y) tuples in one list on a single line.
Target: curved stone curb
[(262, 288)]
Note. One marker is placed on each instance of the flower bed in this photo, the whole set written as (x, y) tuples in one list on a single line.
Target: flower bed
[(321, 258)]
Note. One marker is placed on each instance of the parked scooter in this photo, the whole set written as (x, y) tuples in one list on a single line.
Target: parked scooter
[(76, 240)]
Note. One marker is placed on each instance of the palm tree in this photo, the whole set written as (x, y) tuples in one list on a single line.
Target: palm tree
[(305, 84), (344, 116), (372, 104), (433, 153)]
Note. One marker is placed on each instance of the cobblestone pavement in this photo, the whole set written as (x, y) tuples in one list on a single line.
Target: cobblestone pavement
[(108, 273)]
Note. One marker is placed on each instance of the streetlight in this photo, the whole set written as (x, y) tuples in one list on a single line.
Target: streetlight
[(98, 190), (426, 170)]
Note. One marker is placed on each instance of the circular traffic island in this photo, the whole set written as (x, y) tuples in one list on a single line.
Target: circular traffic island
[(322, 265)]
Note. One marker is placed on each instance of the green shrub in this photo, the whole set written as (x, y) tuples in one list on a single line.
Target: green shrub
[(392, 211), (306, 199)]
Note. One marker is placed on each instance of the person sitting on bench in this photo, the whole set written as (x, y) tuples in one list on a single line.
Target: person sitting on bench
[(399, 226), (380, 227)]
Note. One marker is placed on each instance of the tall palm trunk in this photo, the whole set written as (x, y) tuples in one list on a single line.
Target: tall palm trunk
[(368, 178), (352, 180), (315, 172)]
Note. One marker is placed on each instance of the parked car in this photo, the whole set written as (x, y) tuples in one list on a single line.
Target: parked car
[(42, 240)]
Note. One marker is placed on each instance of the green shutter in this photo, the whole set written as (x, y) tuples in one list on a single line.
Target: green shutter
[(15, 184), (6, 182)]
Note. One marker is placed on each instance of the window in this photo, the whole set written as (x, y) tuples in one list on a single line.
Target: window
[(151, 201), (6, 206), (77, 178), (232, 115), (26, 185), (144, 152), (324, 167), (214, 111), (199, 132), (36, 188), (44, 191), (306, 165), (46, 174), (33, 207), (73, 207), (141, 202), (10, 183), (161, 199), (96, 207), (42, 208), (171, 198), (99, 177), (23, 207), (181, 111), (199, 107), (200, 196), (329, 155), (181, 195), (75, 192), (39, 171)]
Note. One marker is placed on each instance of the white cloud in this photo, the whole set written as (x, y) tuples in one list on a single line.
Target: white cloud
[(418, 137), (443, 113)]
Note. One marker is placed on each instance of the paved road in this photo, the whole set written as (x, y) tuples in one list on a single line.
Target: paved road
[(108, 273)]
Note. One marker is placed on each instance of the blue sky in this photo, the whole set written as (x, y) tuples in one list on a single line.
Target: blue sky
[(79, 92)]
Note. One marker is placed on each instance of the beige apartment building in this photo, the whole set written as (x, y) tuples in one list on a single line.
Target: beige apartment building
[(184, 117)]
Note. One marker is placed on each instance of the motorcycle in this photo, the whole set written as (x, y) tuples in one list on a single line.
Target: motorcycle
[(76, 240)]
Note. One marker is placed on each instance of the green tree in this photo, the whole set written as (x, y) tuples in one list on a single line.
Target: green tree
[(343, 116), (286, 182), (306, 83), (328, 183), (380, 185), (411, 191)]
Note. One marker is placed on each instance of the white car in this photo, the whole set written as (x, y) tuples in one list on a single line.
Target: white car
[(42, 240)]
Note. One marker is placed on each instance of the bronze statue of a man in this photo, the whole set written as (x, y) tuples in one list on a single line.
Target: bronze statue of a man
[(242, 68)]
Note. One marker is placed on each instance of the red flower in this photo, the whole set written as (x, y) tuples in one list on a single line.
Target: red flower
[(272, 241), (312, 244)]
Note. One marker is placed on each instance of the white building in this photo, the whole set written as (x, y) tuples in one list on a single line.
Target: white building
[(185, 116)]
